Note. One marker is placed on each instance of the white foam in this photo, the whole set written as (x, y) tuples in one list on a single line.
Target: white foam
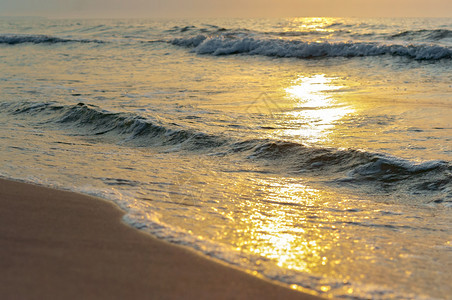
[(220, 45)]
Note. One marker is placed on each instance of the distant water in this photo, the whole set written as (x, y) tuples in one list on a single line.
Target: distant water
[(314, 151)]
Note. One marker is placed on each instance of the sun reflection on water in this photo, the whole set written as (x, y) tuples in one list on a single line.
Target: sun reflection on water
[(316, 110), (287, 239), (315, 24), (301, 230)]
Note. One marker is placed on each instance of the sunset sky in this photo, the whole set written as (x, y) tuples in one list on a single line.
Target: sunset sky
[(230, 8)]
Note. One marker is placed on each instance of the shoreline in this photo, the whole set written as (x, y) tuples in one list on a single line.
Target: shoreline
[(59, 244)]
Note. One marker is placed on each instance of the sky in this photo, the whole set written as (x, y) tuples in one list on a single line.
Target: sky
[(226, 8)]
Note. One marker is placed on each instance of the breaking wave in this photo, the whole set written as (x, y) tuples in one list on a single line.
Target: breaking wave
[(221, 45), (349, 167), (357, 167), (126, 128)]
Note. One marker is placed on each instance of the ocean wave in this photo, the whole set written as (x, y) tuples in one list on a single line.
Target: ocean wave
[(221, 45), (14, 39), (424, 34), (121, 127), (212, 30), (355, 167), (205, 29), (349, 167)]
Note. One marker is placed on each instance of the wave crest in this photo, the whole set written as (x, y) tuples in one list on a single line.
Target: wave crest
[(14, 39), (355, 167), (424, 34), (351, 167), (121, 127), (220, 45)]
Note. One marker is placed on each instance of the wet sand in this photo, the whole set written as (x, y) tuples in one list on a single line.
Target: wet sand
[(62, 245)]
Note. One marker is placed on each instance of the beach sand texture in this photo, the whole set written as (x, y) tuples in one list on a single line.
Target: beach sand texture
[(63, 245)]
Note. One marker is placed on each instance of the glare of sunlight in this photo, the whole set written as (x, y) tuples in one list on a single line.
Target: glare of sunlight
[(295, 227), (315, 24), (312, 90), (316, 110), (281, 241)]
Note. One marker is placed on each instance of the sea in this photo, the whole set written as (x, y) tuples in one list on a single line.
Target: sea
[(314, 152)]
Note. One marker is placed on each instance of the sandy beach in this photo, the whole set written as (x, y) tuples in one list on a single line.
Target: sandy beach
[(63, 245)]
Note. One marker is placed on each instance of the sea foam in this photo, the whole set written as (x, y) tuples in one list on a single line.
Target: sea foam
[(220, 45)]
